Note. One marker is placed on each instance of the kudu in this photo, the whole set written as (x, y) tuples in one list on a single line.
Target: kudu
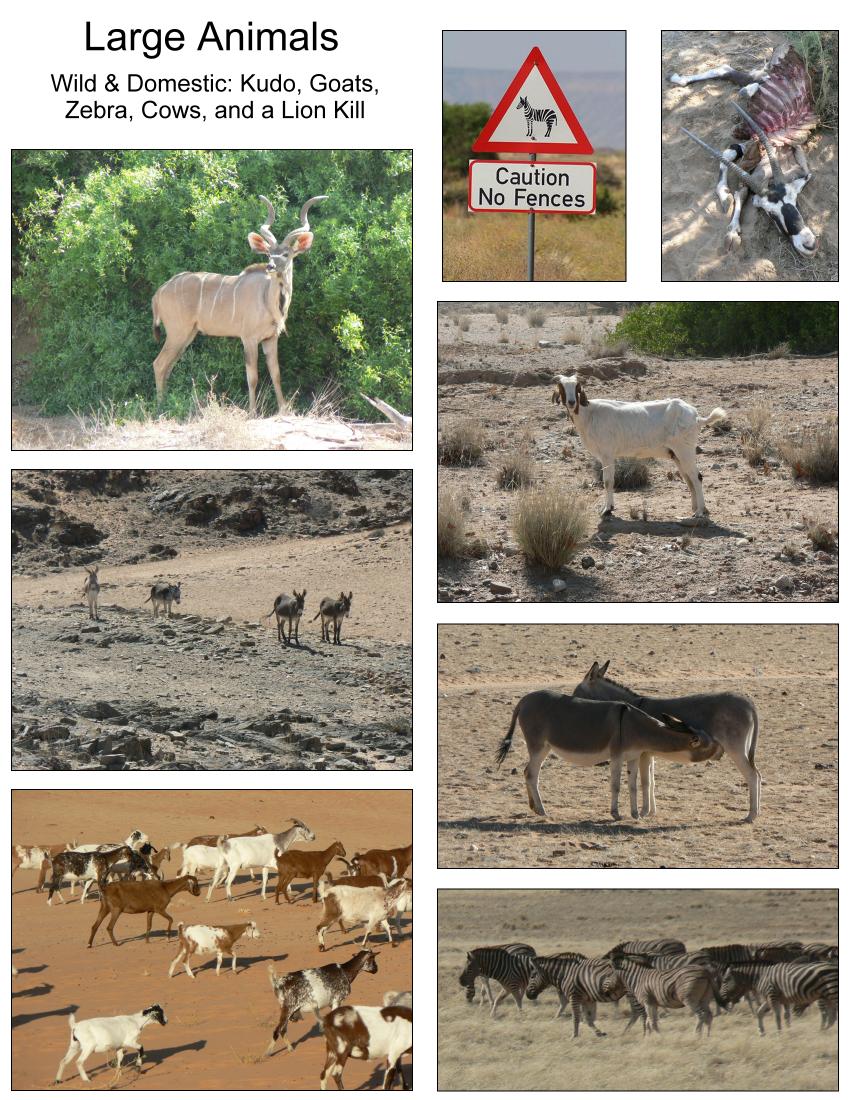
[(252, 305), (731, 719), (780, 112), (587, 733)]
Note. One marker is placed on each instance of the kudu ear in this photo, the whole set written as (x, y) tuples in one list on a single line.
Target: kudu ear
[(300, 241), (258, 244)]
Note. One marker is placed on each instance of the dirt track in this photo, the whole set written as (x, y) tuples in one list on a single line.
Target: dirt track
[(693, 223), (790, 672), (217, 1028), (536, 1052), (498, 376), (225, 693)]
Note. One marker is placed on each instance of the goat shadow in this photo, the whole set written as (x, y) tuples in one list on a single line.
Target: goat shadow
[(376, 1081), (611, 525), (372, 943), (33, 991), (30, 1017), (161, 1054), (243, 962), (129, 1072)]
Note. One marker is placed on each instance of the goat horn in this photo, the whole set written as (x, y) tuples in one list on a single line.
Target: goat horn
[(745, 176), (305, 208), (766, 142), (265, 228)]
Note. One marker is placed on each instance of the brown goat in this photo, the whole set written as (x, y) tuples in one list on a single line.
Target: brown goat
[(309, 865), (211, 840), (392, 862), (141, 897), (157, 860)]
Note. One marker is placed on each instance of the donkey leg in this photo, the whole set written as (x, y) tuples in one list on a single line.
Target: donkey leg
[(270, 352), (753, 777), (647, 784), (632, 769), (615, 768), (532, 775)]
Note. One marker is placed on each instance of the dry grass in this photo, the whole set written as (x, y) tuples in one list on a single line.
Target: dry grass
[(535, 1051), (821, 535), (484, 247), (462, 444), (814, 456), (502, 315), (629, 473), (453, 540), (755, 434), (571, 335), (601, 347), (463, 323), (536, 318), (515, 470), (551, 526)]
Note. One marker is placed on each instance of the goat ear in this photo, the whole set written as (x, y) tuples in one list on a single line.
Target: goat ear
[(581, 396), (258, 244), (559, 397)]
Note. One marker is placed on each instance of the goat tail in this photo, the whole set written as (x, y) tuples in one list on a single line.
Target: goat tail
[(72, 1021), (505, 744), (712, 418), (272, 977)]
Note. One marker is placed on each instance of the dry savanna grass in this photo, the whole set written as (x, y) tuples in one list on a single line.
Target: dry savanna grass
[(462, 444), (483, 247), (814, 456), (629, 473), (551, 526), (535, 1052)]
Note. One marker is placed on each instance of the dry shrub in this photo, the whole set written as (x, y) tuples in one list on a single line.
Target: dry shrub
[(462, 444), (502, 315), (571, 335), (722, 427), (599, 347), (503, 338), (551, 526), (814, 456), (536, 318), (754, 434), (463, 323), (781, 351), (515, 471), (821, 536), (629, 473), (449, 527)]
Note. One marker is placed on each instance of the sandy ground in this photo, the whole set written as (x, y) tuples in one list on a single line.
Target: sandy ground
[(496, 375), (534, 1052), (219, 653), (217, 1028), (790, 672), (222, 428), (693, 222)]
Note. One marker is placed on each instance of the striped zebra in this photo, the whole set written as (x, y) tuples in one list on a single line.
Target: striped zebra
[(780, 984), (507, 963), (690, 985), (647, 947), (582, 982), (821, 951), (536, 114)]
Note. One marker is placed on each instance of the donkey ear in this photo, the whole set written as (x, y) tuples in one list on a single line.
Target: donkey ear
[(673, 723), (601, 672), (594, 671), (258, 244)]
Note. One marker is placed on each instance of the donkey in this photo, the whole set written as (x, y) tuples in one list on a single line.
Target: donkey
[(731, 719), (91, 591), (163, 595), (333, 611), (288, 609), (587, 733), (780, 111), (252, 305)]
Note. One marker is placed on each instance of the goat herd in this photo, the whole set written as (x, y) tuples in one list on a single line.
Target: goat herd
[(287, 610), (653, 974), (374, 889)]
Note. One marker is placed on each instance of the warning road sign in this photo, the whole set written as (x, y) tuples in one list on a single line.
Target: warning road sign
[(533, 116), (523, 187)]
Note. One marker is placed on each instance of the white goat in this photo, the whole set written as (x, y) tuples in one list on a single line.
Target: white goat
[(371, 906), (104, 1033), (210, 939), (367, 1032), (199, 858), (637, 429), (255, 851), (398, 997)]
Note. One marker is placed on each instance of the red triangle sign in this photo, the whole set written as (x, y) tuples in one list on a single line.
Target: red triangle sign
[(533, 116)]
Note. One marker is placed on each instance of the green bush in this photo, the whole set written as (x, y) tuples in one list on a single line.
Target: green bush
[(462, 123), (730, 328), (110, 227)]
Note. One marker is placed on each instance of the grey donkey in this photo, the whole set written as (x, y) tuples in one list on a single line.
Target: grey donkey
[(333, 611), (163, 595), (288, 609), (91, 591)]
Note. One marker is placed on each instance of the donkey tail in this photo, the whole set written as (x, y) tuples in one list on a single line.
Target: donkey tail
[(751, 753), (505, 744), (318, 613)]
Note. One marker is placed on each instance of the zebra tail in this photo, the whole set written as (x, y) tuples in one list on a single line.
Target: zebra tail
[(505, 744)]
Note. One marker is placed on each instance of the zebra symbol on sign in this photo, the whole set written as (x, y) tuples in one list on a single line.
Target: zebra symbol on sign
[(537, 114)]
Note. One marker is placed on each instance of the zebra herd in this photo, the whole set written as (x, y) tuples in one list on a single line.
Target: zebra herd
[(653, 974)]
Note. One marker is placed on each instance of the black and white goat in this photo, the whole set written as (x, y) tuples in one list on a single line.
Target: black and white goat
[(106, 1033), (780, 111)]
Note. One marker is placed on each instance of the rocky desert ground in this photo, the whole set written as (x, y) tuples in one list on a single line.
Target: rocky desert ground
[(218, 1027), (789, 671), (210, 688), (693, 224), (494, 373), (534, 1051)]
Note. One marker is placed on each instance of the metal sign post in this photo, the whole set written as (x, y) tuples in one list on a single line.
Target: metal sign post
[(531, 228)]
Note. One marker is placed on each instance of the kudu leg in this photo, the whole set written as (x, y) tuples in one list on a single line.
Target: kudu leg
[(270, 352), (252, 353), (174, 346)]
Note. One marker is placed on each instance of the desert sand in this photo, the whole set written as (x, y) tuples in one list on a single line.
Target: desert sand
[(218, 1028)]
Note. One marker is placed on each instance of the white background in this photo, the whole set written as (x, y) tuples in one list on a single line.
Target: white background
[(399, 47)]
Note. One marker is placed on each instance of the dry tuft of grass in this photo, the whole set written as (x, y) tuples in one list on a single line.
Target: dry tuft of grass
[(463, 322), (571, 335), (814, 456), (781, 351), (754, 435), (536, 318), (722, 427), (629, 473), (503, 338), (551, 526), (502, 315), (462, 444), (515, 471), (453, 541), (821, 535), (600, 347)]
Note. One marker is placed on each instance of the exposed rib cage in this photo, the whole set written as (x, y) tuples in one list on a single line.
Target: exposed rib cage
[(783, 105)]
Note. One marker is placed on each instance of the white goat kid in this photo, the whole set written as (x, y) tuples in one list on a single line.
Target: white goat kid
[(637, 429), (105, 1033)]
